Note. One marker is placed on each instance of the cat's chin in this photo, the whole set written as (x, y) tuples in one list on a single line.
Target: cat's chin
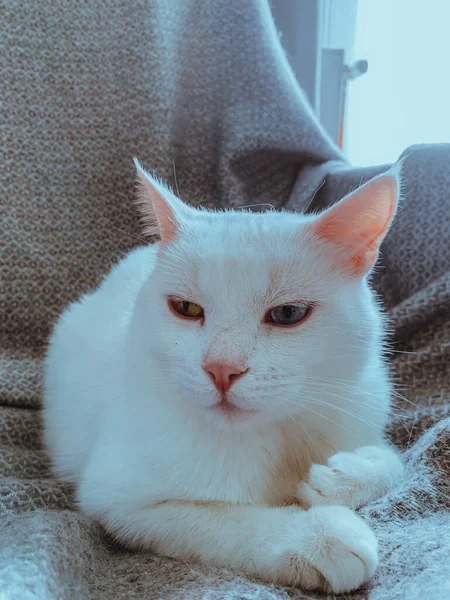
[(231, 411)]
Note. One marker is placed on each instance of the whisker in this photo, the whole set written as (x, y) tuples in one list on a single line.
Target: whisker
[(146, 242), (255, 205), (392, 413), (411, 432), (345, 412), (345, 385), (352, 433), (314, 195), (401, 397), (353, 401), (314, 447), (175, 177)]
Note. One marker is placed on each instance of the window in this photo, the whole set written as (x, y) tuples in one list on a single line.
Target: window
[(404, 98)]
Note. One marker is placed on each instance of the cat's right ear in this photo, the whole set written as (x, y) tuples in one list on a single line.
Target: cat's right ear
[(159, 208)]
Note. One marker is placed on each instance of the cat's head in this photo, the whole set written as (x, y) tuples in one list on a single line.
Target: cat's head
[(247, 314)]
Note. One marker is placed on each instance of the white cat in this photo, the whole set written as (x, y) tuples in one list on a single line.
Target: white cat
[(227, 378)]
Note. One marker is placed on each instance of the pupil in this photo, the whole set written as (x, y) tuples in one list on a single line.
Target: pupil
[(186, 305), (287, 312)]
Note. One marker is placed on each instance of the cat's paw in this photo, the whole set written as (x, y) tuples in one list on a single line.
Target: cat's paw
[(351, 478), (330, 550)]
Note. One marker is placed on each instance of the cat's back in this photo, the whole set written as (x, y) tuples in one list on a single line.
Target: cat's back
[(84, 361)]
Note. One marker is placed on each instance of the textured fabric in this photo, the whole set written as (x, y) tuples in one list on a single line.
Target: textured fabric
[(204, 85)]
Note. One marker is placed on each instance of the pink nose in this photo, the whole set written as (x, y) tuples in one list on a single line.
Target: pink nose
[(223, 376)]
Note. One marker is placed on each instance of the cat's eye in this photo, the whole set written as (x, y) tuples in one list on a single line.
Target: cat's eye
[(288, 314), (187, 309)]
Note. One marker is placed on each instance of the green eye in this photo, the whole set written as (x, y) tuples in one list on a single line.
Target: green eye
[(288, 314), (186, 309)]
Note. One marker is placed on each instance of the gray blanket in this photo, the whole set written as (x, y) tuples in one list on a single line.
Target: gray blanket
[(205, 86)]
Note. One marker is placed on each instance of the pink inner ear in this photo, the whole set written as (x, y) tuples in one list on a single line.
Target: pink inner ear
[(165, 216), (155, 208), (358, 223)]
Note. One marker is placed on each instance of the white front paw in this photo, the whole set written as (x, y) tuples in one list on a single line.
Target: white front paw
[(351, 478), (331, 550)]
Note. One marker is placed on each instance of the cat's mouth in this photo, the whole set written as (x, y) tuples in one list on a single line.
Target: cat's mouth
[(228, 408)]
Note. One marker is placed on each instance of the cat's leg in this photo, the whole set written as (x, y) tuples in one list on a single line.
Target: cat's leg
[(352, 478), (326, 548)]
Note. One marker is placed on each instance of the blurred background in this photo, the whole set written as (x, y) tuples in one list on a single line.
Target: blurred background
[(375, 71)]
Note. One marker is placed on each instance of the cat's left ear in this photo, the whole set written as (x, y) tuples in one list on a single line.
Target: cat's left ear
[(357, 224), (161, 211)]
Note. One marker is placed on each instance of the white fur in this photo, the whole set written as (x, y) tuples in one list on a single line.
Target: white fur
[(128, 406)]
